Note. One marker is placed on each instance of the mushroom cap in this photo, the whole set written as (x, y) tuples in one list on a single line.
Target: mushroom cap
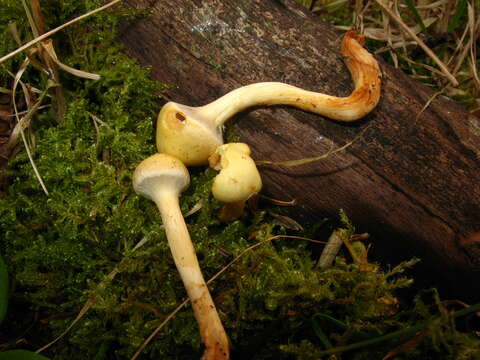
[(183, 131), (158, 173), (239, 177)]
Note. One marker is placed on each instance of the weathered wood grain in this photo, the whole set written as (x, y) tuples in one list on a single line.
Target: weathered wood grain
[(411, 180)]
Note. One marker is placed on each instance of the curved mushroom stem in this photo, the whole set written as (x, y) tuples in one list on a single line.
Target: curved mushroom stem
[(365, 74), (193, 133), (211, 329)]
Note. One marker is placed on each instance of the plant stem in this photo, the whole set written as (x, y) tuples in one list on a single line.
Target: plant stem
[(402, 332)]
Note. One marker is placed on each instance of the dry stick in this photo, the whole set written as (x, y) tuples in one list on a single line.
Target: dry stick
[(330, 251), (186, 301), (51, 32), (425, 48)]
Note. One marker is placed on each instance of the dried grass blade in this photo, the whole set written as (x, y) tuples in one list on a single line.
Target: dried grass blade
[(17, 80), (429, 101), (23, 123), (417, 16), (18, 76), (473, 48), (459, 46), (290, 163), (425, 48), (35, 170), (433, 5), (12, 27), (459, 12), (37, 15), (48, 47), (33, 26), (279, 202), (195, 208), (51, 32)]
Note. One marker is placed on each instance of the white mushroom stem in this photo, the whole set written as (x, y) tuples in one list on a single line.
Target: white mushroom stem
[(211, 329), (162, 178), (193, 133)]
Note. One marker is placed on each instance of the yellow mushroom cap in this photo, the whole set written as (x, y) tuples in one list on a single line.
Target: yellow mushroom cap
[(184, 133), (239, 177)]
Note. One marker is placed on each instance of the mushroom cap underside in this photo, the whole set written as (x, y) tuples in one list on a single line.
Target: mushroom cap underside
[(158, 173)]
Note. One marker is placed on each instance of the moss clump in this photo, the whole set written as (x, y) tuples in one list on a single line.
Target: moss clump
[(93, 240)]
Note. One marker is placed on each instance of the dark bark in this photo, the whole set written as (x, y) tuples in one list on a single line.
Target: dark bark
[(411, 181)]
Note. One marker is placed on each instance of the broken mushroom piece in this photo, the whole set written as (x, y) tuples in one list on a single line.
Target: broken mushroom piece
[(193, 133), (162, 178), (237, 181)]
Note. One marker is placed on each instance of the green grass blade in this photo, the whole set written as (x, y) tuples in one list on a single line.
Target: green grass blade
[(21, 355), (320, 334), (3, 289), (332, 320), (409, 331), (459, 13), (417, 16)]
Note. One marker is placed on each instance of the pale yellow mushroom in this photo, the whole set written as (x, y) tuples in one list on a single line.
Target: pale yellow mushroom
[(193, 133), (237, 180), (162, 178)]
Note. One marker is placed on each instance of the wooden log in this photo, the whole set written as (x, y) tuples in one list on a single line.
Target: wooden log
[(411, 178)]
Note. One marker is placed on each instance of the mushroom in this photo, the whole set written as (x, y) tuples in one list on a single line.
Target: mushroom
[(237, 181), (162, 178), (193, 133)]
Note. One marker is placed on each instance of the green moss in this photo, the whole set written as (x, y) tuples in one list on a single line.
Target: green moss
[(61, 249)]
